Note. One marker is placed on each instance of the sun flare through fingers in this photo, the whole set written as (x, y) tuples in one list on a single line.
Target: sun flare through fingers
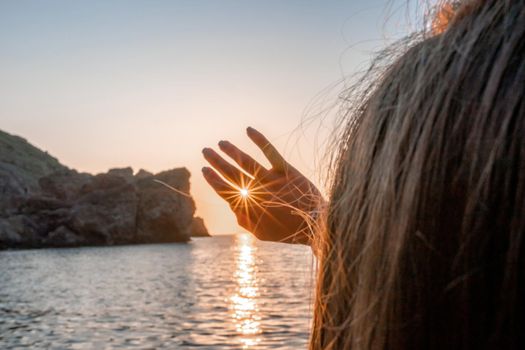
[(248, 196), (255, 199)]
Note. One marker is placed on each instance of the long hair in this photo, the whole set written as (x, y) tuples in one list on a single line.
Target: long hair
[(423, 246)]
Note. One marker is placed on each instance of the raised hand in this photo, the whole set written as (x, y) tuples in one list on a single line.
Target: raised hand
[(274, 204)]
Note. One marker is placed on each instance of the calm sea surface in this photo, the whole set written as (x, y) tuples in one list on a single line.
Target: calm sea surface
[(230, 292)]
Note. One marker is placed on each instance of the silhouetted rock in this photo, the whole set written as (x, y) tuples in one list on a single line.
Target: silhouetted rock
[(45, 204), (10, 232), (21, 165), (21, 159), (64, 184), (198, 229), (158, 203), (141, 174), (106, 215), (125, 173), (12, 190), (62, 236)]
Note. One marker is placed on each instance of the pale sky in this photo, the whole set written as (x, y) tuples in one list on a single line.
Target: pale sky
[(114, 83)]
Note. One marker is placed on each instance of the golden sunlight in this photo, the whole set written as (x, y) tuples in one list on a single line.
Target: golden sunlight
[(245, 311), (244, 192)]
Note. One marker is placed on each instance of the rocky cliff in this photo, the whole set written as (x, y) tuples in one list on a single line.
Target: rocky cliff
[(45, 204), (198, 228)]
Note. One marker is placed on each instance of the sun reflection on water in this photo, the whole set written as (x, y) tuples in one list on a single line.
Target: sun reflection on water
[(245, 311)]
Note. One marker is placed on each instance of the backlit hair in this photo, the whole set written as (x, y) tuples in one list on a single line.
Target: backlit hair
[(424, 240)]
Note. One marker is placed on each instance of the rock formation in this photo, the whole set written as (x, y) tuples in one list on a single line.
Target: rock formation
[(45, 204), (198, 228)]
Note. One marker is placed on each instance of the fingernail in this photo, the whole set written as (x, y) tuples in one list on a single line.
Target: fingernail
[(206, 150), (223, 143), (250, 129), (205, 170)]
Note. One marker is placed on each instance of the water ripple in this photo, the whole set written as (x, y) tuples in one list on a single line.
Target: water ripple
[(221, 293)]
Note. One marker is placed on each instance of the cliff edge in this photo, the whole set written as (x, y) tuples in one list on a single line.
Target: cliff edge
[(45, 204)]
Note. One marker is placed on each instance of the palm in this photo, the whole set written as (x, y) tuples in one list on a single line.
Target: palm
[(273, 204)]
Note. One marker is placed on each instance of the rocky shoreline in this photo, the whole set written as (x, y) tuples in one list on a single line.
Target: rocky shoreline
[(45, 204)]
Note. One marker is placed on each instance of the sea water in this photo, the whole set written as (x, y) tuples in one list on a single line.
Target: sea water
[(224, 292)]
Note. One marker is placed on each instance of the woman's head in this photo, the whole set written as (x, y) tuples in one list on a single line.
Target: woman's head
[(424, 245)]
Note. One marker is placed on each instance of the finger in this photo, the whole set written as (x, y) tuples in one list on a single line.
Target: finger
[(276, 160), (223, 189), (250, 165), (227, 170)]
